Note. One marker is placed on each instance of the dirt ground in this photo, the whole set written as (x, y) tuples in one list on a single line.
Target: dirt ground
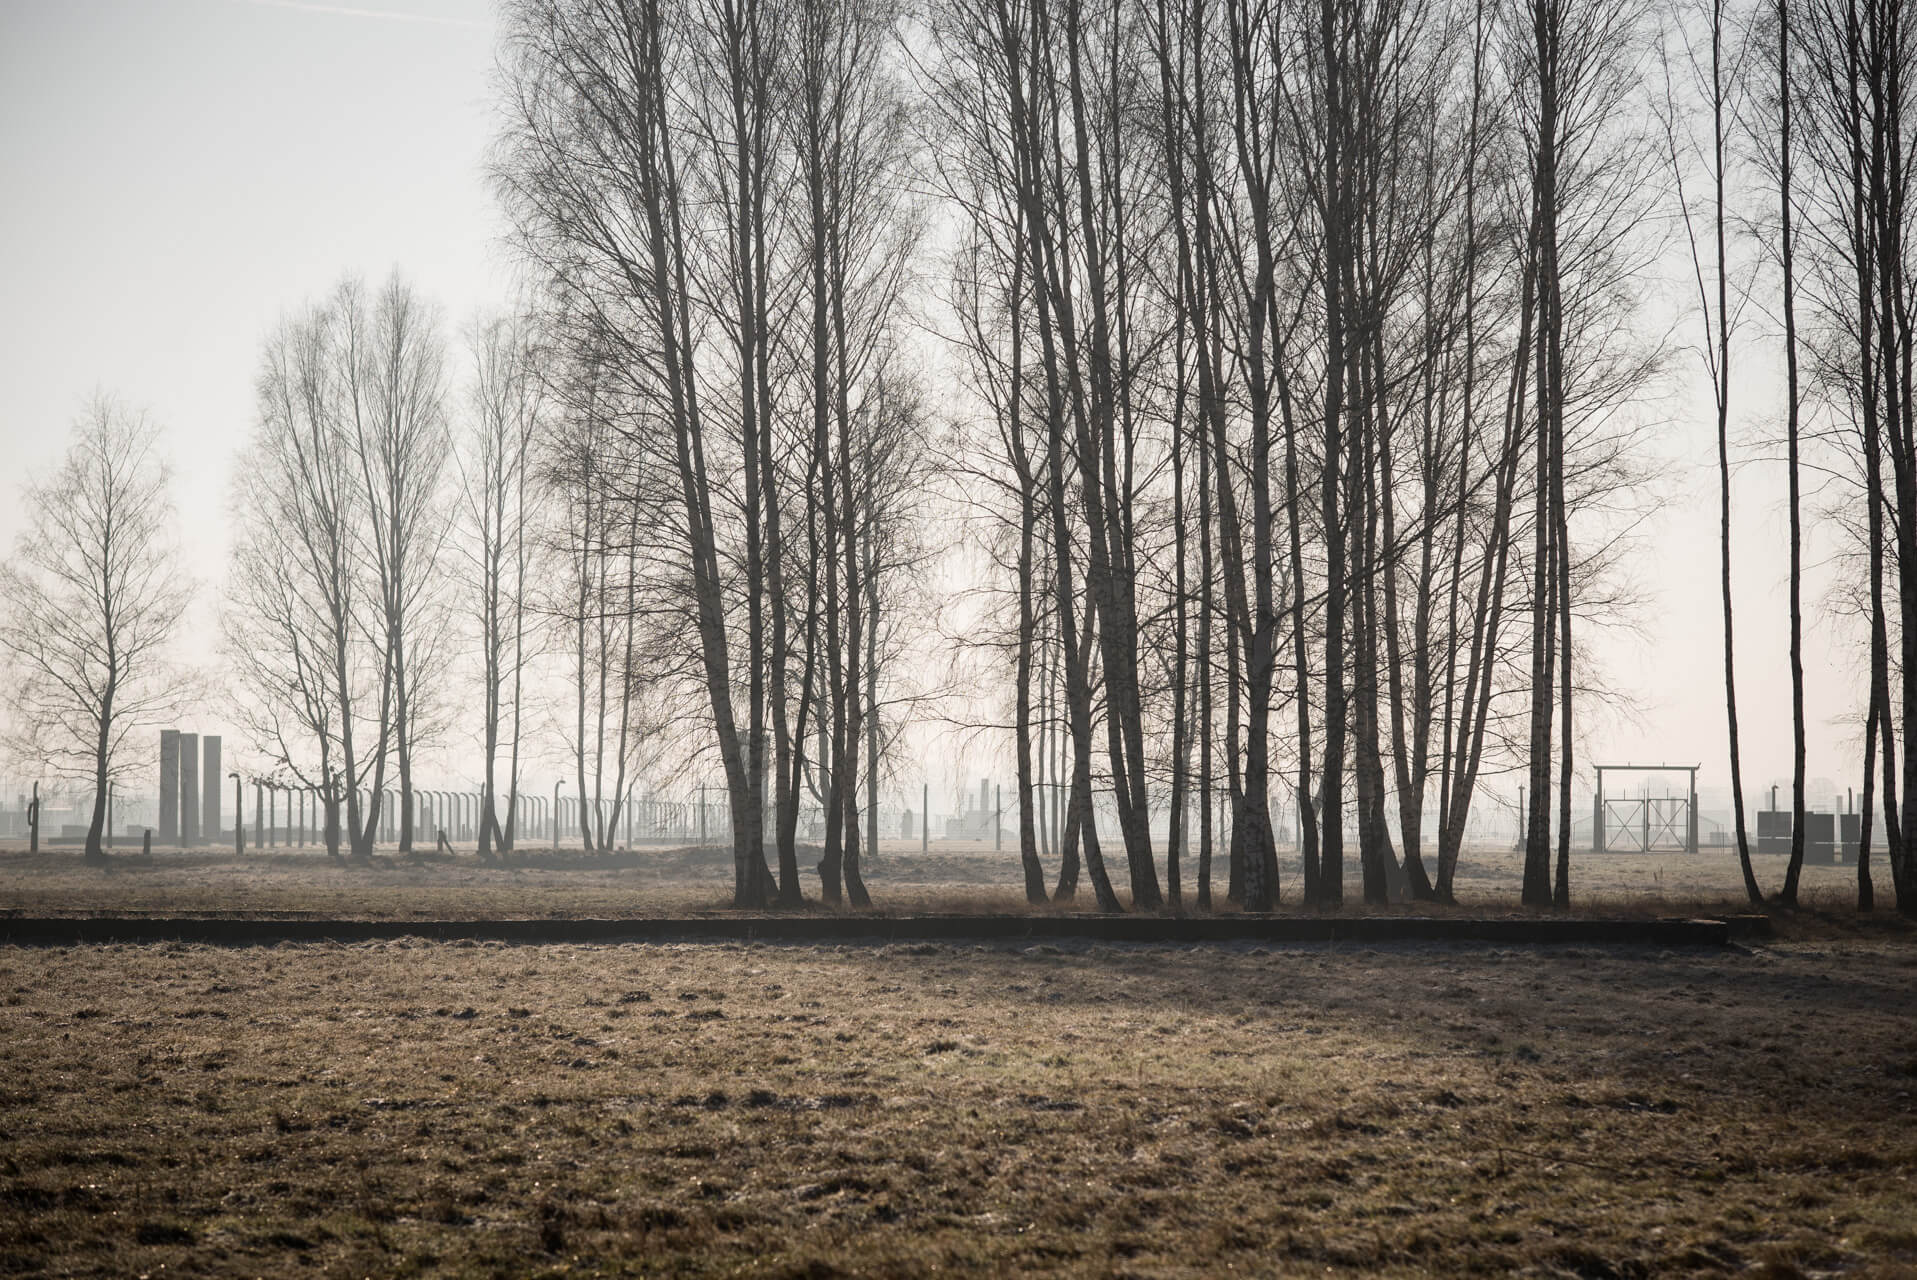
[(764, 1110), (952, 876)]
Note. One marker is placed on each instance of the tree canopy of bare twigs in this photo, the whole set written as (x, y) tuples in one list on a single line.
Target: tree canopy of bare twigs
[(335, 590), (90, 606)]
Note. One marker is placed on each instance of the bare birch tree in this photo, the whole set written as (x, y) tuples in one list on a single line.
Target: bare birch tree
[(90, 604), (498, 488), (336, 575), (1709, 65)]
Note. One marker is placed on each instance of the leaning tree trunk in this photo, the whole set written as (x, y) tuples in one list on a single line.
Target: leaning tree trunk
[(94, 855)]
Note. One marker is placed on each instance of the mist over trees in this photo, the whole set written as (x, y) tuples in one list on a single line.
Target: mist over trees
[(1271, 380), (496, 555), (336, 575)]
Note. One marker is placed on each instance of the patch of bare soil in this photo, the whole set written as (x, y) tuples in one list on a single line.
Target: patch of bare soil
[(815, 1111)]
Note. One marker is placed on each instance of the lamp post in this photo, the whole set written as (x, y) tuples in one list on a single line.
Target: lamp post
[(239, 816)]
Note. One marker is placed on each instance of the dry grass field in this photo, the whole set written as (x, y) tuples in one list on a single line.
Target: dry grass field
[(893, 1110), (952, 876), (722, 1109)]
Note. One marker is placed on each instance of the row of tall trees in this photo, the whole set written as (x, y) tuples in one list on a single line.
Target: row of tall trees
[(335, 572), (430, 555), (1803, 143), (1303, 337), (1841, 173), (1311, 329), (713, 196), (1299, 343), (1304, 328)]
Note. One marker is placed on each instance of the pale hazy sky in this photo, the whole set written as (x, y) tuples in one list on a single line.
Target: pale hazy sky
[(175, 174)]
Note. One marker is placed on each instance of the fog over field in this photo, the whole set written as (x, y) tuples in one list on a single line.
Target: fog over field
[(195, 180), (187, 174), (828, 638)]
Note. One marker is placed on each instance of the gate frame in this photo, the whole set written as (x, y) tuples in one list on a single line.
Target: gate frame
[(1597, 825)]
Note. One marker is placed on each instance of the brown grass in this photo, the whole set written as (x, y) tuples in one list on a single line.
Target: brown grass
[(393, 1109), (953, 877)]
